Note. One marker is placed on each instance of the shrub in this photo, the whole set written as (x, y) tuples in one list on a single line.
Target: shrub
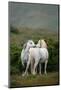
[(15, 61), (15, 65)]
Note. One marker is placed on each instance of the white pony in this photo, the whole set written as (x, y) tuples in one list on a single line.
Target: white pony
[(42, 44), (39, 55), (25, 51)]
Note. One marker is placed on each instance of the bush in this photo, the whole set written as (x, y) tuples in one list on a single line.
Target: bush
[(15, 65), (53, 56), (15, 52)]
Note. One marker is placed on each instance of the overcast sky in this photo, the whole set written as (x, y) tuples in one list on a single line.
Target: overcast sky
[(33, 15)]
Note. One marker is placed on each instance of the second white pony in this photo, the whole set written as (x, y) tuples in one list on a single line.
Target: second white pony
[(25, 51)]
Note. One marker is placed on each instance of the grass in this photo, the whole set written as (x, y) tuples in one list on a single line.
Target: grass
[(37, 80), (26, 34), (19, 39)]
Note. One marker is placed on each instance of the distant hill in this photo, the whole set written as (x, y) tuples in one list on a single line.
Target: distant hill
[(21, 35)]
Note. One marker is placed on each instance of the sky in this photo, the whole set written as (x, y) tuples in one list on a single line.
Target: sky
[(33, 15)]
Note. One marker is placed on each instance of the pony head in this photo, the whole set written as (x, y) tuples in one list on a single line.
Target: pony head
[(42, 43), (29, 44)]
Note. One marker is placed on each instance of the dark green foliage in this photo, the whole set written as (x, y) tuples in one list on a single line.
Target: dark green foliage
[(15, 62), (53, 56)]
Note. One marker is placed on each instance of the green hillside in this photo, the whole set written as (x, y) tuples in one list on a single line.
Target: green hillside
[(18, 37), (24, 34)]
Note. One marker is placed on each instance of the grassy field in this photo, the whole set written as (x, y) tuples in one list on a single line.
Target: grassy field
[(27, 34), (37, 80), (16, 44)]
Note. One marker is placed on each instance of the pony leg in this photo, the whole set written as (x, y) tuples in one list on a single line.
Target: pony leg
[(36, 70), (26, 71), (45, 67), (40, 68), (35, 66), (31, 66)]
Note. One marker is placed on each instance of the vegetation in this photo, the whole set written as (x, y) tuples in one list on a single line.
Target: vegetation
[(17, 41), (14, 30), (19, 36), (37, 80)]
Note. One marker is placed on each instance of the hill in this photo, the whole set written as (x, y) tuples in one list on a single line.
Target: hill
[(21, 35)]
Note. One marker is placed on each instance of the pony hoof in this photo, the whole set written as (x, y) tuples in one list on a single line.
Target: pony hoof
[(45, 74), (34, 73), (40, 74), (23, 74)]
